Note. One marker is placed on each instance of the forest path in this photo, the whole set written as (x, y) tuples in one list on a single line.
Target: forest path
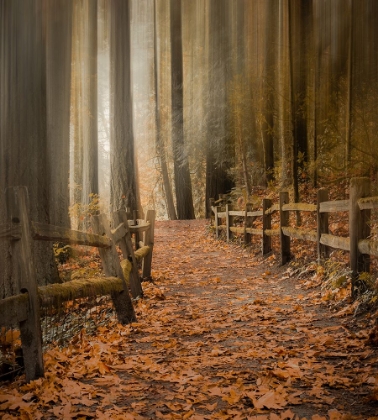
[(221, 334), (232, 336)]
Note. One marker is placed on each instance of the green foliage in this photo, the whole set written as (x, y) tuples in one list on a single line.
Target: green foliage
[(335, 275), (62, 252), (81, 212), (366, 282)]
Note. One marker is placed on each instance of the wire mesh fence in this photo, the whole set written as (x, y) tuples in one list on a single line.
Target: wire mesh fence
[(59, 327)]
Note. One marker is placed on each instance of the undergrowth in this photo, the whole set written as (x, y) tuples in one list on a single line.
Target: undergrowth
[(333, 275)]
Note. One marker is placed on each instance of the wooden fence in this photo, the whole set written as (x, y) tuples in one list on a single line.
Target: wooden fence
[(359, 206), (24, 308)]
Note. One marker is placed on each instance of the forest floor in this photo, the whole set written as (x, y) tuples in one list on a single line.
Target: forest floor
[(221, 334)]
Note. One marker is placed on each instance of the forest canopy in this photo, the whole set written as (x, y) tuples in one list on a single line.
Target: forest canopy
[(166, 104)]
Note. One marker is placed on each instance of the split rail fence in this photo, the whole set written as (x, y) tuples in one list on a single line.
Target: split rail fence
[(359, 206), (23, 309)]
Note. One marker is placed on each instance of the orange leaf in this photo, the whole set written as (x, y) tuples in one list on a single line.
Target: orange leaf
[(270, 400), (233, 398), (103, 368)]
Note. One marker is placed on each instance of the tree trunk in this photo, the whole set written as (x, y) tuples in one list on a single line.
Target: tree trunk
[(219, 148), (23, 134), (297, 87), (84, 166), (123, 179), (58, 61), (348, 108), (267, 117), (183, 184), (160, 145), (284, 96)]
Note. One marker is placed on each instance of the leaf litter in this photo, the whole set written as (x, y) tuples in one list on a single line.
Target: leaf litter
[(220, 334)]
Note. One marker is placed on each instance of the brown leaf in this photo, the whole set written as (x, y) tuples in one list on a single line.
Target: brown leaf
[(270, 400)]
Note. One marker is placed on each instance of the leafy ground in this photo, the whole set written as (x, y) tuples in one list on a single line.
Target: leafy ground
[(221, 334)]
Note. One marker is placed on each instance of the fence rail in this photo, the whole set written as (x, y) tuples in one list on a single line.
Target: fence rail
[(358, 206), (24, 308)]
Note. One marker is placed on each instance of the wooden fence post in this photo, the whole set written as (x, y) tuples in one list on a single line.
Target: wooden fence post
[(128, 253), (358, 228), (322, 225), (229, 221), (222, 199), (284, 221), (248, 222), (149, 241), (267, 224), (23, 274), (211, 205), (216, 221), (112, 268), (136, 234)]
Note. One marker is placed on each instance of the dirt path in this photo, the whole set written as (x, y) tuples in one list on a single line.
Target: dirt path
[(220, 335), (236, 337)]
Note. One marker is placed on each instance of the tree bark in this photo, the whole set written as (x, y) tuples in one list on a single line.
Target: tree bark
[(123, 179), (23, 134), (183, 184), (84, 166), (160, 145), (219, 148), (58, 62), (267, 118)]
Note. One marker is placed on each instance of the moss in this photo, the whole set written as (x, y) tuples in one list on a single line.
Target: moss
[(142, 252), (56, 294), (126, 269), (53, 295)]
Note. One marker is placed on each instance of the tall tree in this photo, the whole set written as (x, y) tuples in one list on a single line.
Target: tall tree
[(240, 115), (283, 92), (23, 133), (363, 74), (348, 87), (58, 64), (299, 18), (195, 69), (219, 148), (183, 184), (268, 105), (103, 101), (160, 143), (123, 169), (84, 172)]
